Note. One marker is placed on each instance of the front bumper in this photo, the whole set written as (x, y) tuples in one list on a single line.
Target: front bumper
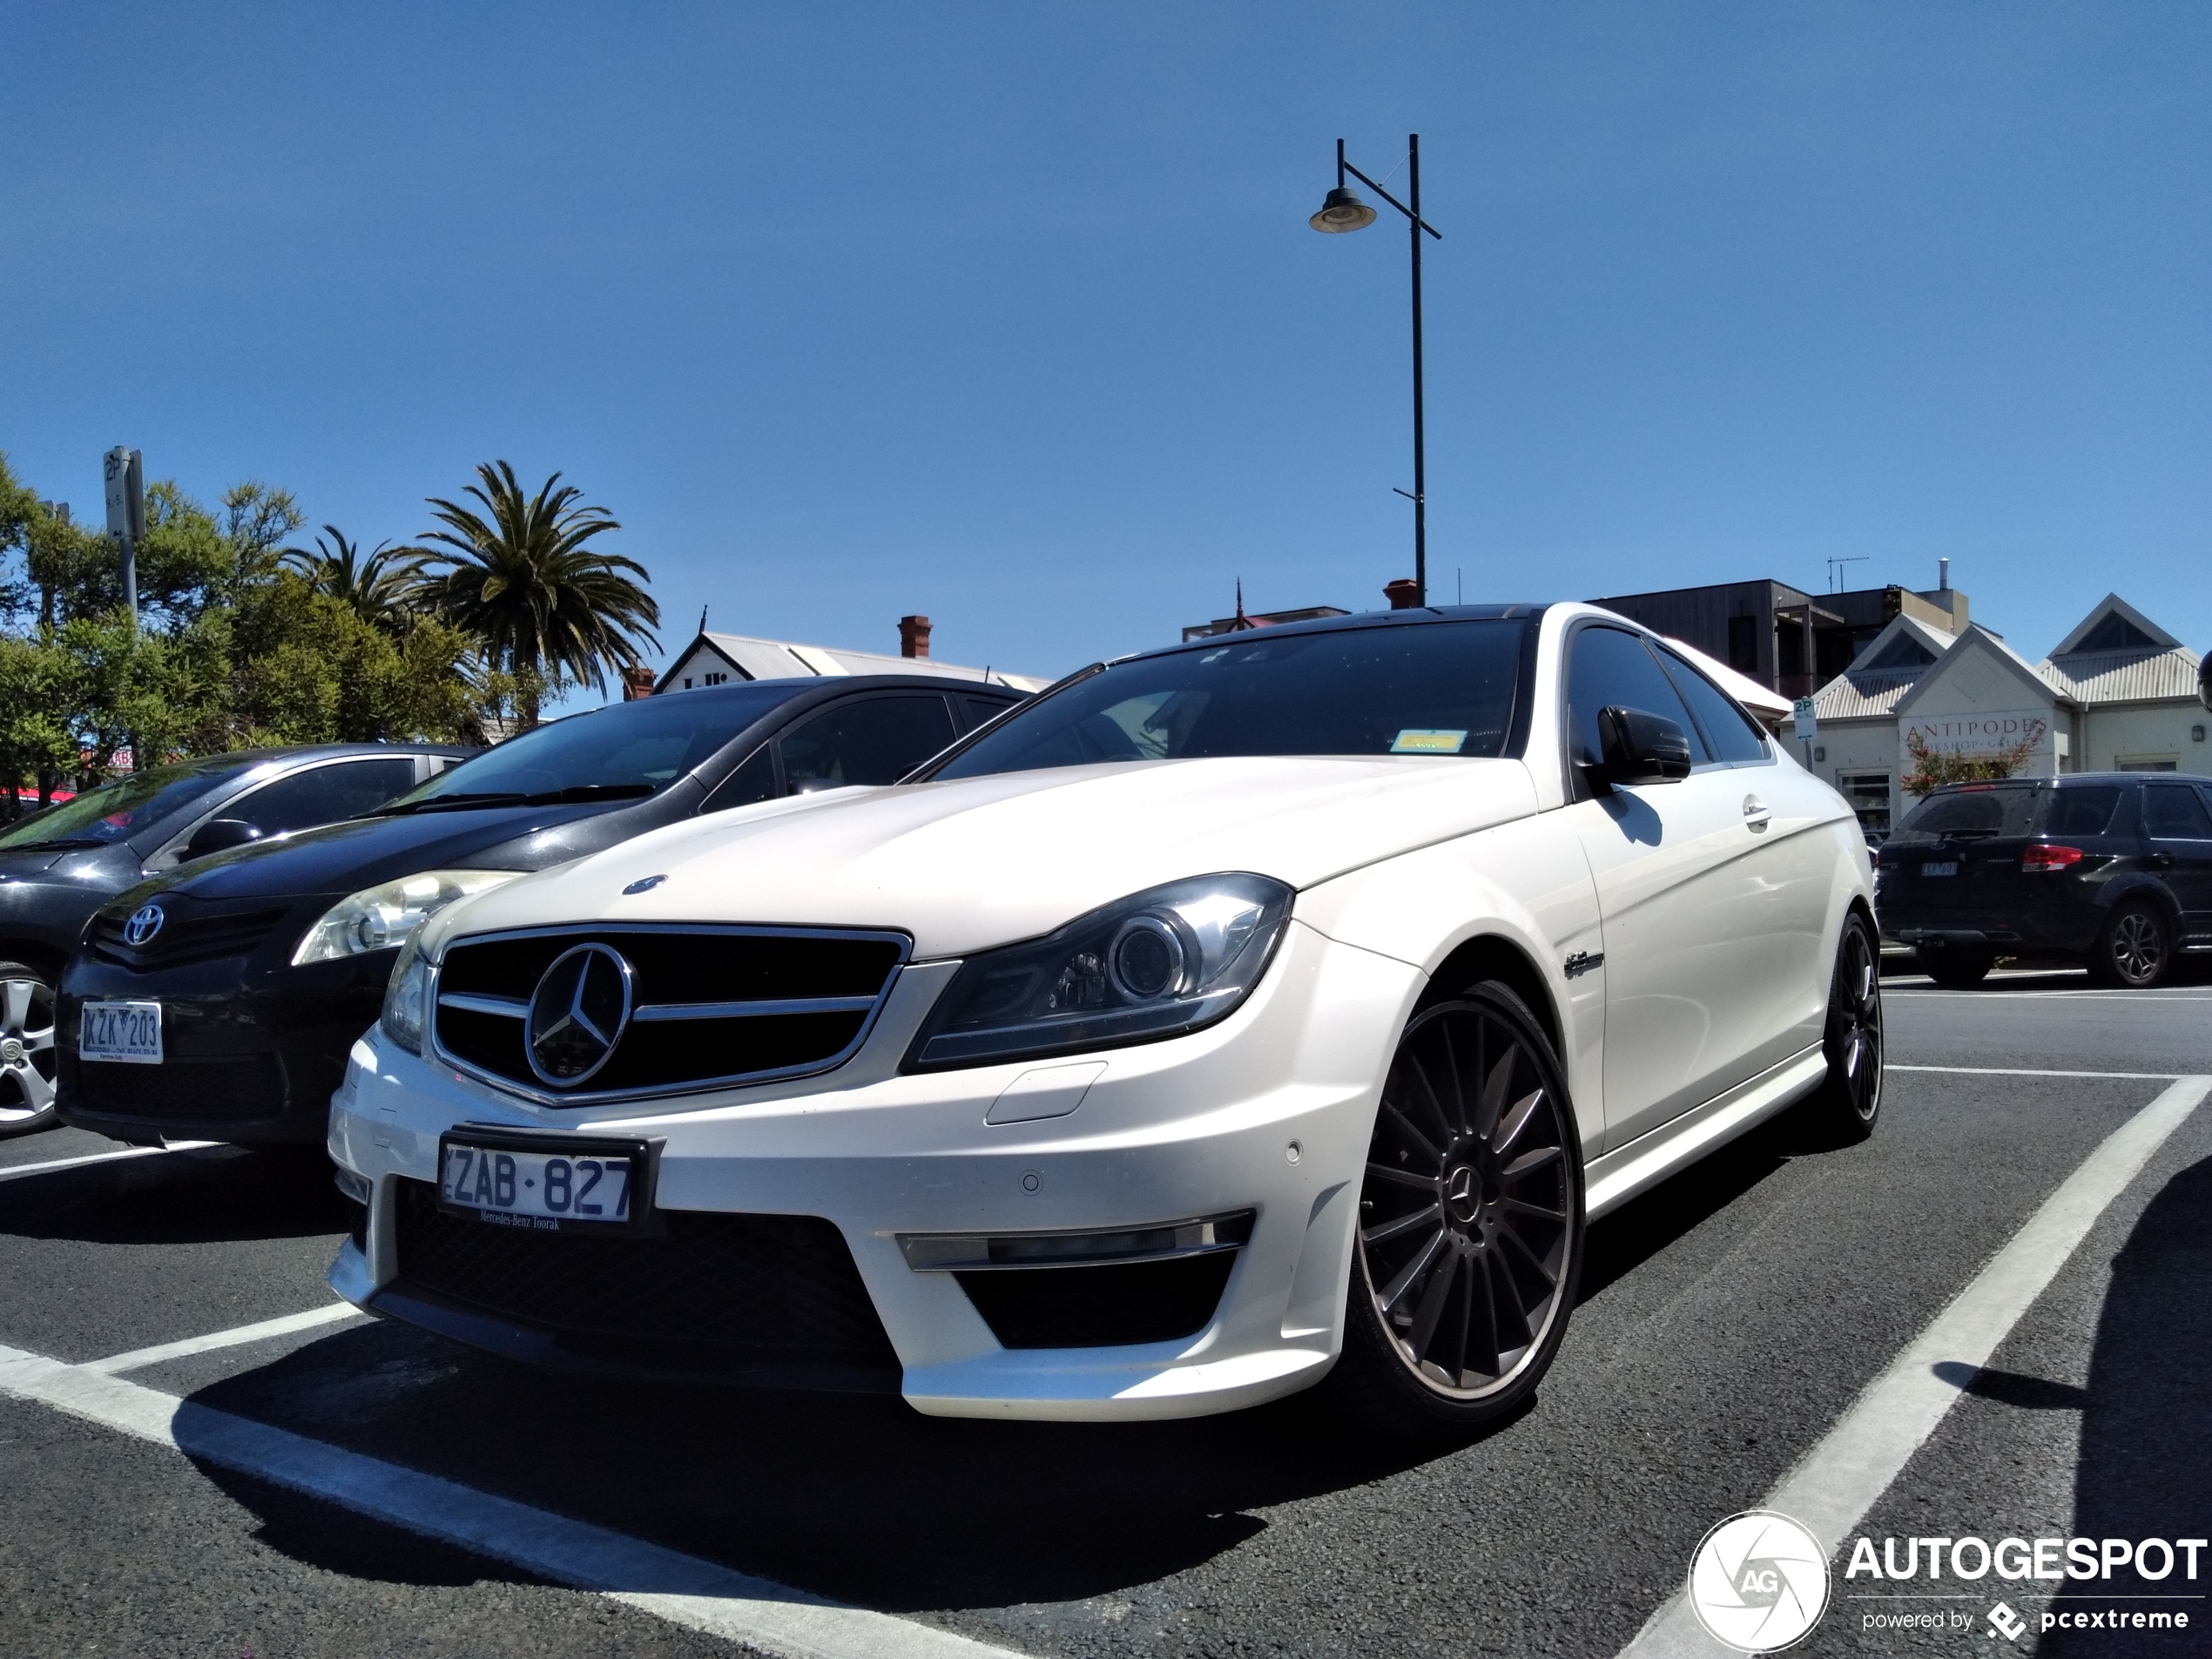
[(249, 1056), (1266, 1115)]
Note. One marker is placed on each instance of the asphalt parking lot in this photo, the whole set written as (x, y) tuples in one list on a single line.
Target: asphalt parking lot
[(1728, 1323)]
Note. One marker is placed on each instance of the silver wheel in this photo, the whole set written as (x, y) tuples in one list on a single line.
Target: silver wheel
[(26, 1050)]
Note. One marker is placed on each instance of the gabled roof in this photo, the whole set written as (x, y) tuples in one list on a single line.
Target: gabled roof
[(2115, 625), (1979, 643), (1884, 672), (775, 659), (2124, 676)]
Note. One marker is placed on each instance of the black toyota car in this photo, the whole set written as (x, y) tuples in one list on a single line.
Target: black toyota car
[(59, 866), (218, 1002), (2112, 869)]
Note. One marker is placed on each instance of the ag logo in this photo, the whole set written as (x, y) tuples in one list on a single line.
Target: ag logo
[(1758, 1581), (144, 923)]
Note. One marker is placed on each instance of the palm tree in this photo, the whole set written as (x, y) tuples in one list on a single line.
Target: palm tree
[(543, 607), (382, 590)]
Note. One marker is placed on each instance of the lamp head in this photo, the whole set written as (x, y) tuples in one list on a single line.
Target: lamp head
[(1341, 211)]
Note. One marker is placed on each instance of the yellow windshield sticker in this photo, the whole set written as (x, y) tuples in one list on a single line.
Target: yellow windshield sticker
[(1427, 743)]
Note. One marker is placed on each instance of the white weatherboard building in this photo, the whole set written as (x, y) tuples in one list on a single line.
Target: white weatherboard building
[(724, 659), (2119, 694)]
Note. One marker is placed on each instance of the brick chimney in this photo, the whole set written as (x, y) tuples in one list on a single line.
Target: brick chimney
[(1402, 593), (913, 637), (637, 682)]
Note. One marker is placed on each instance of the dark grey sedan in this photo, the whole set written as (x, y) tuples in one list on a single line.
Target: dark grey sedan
[(59, 865)]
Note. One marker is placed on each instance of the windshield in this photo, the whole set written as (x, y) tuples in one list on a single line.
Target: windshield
[(1975, 811), (115, 809), (1434, 689), (632, 748)]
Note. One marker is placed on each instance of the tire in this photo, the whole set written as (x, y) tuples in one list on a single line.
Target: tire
[(1849, 1100), (2136, 947), (1953, 969), (26, 1050), (1469, 1239)]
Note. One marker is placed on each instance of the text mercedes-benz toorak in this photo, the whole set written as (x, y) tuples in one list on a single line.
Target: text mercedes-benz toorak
[(219, 1002), (1274, 1008)]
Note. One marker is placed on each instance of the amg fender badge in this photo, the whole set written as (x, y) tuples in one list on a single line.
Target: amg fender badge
[(1582, 961)]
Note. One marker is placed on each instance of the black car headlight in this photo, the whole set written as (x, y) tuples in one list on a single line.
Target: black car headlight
[(1154, 965)]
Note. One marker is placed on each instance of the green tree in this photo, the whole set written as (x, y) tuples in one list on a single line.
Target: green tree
[(544, 607), (381, 588)]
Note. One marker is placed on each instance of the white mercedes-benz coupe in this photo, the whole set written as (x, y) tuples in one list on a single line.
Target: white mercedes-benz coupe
[(1270, 1011)]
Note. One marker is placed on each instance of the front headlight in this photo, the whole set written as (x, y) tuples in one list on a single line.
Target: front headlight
[(1154, 965), (406, 996), (379, 918)]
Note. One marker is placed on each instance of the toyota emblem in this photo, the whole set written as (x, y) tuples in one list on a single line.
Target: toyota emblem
[(578, 1014), (145, 921)]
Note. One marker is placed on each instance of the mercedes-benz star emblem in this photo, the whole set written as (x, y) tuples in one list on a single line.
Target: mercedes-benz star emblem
[(578, 1014), (145, 921)]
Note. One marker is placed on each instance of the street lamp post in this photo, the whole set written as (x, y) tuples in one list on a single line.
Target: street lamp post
[(1342, 211)]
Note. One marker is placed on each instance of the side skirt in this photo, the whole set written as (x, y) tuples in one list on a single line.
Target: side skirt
[(1618, 1176)]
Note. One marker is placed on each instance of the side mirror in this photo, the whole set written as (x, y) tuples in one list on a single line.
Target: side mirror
[(219, 835), (1640, 748)]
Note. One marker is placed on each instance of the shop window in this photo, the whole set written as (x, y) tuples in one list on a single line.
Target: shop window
[(2148, 763), (1868, 795)]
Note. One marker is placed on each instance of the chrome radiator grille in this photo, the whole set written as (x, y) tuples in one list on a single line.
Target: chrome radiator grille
[(700, 1007)]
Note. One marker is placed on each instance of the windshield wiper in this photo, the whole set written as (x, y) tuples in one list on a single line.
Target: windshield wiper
[(66, 841), (439, 803), (516, 798)]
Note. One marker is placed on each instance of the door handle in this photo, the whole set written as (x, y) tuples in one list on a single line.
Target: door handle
[(2161, 860), (1756, 814)]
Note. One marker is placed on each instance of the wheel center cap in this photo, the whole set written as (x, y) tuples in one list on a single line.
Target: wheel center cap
[(1463, 1193), (11, 1051)]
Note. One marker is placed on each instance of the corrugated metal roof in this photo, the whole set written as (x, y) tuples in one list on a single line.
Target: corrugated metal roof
[(1864, 696), (2123, 675)]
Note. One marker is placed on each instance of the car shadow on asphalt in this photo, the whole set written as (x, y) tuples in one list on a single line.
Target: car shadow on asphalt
[(2145, 1466), (207, 1195), (859, 1498), (1639, 1230)]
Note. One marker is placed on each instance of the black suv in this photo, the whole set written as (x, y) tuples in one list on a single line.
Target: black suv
[(2111, 869), (218, 1003), (59, 866)]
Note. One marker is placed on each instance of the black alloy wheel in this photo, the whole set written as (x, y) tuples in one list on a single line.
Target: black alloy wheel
[(2135, 947), (1470, 1223), (1851, 1096), (26, 1050), (1957, 969)]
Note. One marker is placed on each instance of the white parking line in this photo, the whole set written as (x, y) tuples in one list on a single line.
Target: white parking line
[(2023, 1071), (9, 1172), (683, 1589), (1835, 1483), (231, 1338)]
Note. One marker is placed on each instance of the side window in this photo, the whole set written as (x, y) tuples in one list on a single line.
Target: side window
[(324, 794), (1729, 732), (753, 780), (973, 710), (2174, 813), (2080, 809), (872, 740), (1611, 669)]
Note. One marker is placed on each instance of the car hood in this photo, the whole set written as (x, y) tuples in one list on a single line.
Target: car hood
[(361, 852), (984, 861)]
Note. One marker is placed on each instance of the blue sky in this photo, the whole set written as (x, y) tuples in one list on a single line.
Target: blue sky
[(1009, 313)]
